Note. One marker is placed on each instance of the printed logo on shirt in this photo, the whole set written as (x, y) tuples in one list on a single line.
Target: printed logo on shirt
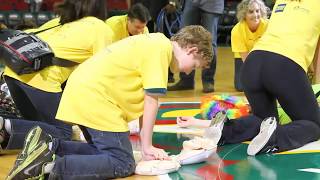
[(301, 9), (280, 8)]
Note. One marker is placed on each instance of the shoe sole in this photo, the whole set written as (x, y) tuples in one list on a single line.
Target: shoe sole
[(216, 124), (220, 116), (266, 130), (30, 158)]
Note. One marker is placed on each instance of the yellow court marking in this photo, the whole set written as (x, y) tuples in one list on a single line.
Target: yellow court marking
[(177, 113), (300, 152), (313, 147)]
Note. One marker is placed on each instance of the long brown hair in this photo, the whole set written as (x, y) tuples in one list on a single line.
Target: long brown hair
[(71, 10)]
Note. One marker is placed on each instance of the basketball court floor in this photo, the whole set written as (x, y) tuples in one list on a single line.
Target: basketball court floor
[(230, 161)]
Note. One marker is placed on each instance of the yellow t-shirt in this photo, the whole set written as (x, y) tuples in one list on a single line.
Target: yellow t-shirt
[(119, 25), (243, 39), (111, 93), (293, 31), (51, 23), (75, 41)]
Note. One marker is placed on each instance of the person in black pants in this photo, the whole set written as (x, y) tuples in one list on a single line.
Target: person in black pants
[(275, 70)]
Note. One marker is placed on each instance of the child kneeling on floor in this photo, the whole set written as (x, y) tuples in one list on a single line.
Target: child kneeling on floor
[(118, 84)]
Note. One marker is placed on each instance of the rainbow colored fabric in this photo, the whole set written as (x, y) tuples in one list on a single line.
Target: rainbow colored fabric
[(234, 106)]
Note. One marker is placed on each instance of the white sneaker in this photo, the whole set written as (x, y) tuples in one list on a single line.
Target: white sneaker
[(258, 143), (214, 132)]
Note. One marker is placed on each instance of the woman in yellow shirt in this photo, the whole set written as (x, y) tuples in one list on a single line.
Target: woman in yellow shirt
[(81, 34), (252, 17), (275, 70)]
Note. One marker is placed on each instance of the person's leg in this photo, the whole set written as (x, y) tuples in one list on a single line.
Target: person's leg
[(296, 97), (21, 100), (240, 130), (190, 16), (110, 157), (262, 104), (237, 70), (114, 159), (46, 114), (170, 76), (210, 22), (74, 147), (19, 128)]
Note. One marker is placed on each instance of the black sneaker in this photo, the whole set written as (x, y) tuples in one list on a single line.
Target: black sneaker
[(181, 86), (32, 166), (264, 142), (170, 79), (207, 87), (33, 138)]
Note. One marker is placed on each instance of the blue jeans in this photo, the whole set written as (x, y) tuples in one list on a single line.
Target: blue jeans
[(38, 109), (193, 15), (106, 155)]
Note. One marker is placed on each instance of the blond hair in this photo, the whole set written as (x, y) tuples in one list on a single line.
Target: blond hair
[(244, 5), (196, 36)]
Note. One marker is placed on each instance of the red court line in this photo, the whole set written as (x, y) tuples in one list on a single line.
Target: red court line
[(167, 121), (210, 171), (167, 147), (185, 106)]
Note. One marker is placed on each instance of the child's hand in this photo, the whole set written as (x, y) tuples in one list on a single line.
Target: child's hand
[(185, 121), (153, 153)]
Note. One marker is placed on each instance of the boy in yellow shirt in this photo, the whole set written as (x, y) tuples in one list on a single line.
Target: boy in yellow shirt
[(133, 23), (120, 83)]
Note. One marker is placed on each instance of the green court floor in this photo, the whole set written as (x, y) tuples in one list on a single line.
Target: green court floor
[(232, 161)]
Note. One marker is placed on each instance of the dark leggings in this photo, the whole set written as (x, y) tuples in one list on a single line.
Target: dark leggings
[(38, 108), (267, 78)]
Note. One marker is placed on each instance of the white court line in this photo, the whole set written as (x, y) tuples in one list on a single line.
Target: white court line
[(314, 170), (164, 177)]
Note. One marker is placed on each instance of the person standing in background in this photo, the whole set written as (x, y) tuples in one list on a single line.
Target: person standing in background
[(34, 5), (205, 13)]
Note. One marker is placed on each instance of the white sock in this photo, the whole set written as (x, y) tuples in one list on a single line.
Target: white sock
[(50, 146), (48, 167), (8, 126)]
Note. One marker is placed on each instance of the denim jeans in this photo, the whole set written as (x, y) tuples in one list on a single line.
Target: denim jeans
[(38, 109), (193, 15), (106, 155)]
